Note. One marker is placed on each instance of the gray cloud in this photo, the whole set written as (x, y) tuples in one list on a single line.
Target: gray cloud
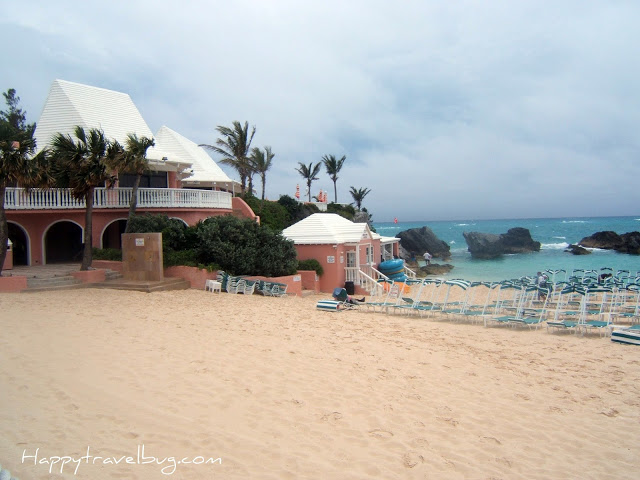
[(445, 110)]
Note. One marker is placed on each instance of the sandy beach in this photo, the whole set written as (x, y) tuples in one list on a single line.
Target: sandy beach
[(237, 387)]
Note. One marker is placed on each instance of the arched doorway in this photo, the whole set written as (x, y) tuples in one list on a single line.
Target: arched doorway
[(18, 237), (111, 235), (63, 243)]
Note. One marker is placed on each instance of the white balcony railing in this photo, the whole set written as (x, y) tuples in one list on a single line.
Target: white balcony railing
[(61, 198)]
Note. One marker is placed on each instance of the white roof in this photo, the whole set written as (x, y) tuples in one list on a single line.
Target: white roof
[(323, 228), (205, 170), (70, 104)]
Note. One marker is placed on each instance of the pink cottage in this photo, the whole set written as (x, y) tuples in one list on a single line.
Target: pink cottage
[(347, 251)]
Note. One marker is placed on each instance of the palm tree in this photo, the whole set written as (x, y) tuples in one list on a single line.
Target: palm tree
[(260, 163), (234, 148), (82, 165), (333, 167), (358, 195), (309, 174), (17, 165), (134, 160)]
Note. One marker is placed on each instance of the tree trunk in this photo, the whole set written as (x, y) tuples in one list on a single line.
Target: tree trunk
[(335, 191), (133, 203), (4, 229), (87, 256)]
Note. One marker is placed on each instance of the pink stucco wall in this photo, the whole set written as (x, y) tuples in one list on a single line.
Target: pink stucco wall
[(310, 280), (13, 284)]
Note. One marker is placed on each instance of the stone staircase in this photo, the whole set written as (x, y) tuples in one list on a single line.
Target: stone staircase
[(62, 282), (169, 283), (58, 277)]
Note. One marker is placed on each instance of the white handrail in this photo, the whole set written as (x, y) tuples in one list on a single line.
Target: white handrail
[(410, 273), (61, 198)]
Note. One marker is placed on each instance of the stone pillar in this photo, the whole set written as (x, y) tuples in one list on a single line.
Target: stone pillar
[(142, 257)]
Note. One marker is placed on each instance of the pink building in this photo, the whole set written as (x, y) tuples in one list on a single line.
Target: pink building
[(347, 251), (46, 226)]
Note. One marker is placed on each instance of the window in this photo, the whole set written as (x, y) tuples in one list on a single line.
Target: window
[(148, 180), (369, 255), (351, 259)]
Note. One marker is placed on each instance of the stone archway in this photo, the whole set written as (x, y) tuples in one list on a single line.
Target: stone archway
[(111, 235), (20, 240), (63, 242)]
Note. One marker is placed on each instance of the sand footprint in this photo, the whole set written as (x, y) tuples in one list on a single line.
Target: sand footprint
[(610, 412), (411, 459), (379, 433), (451, 421), (331, 417)]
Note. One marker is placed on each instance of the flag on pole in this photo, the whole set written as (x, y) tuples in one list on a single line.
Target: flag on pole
[(298, 191)]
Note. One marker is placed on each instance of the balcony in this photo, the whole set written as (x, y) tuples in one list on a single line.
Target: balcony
[(61, 198)]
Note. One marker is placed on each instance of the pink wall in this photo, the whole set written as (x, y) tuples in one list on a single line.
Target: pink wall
[(310, 280), (13, 284), (242, 209), (196, 277)]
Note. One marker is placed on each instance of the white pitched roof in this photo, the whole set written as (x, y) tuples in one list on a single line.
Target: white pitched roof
[(323, 228), (70, 104), (205, 170)]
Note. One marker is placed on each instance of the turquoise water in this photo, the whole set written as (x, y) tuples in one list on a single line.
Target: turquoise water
[(555, 234)]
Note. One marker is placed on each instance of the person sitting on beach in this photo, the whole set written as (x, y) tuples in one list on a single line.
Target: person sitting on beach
[(354, 301), (341, 295), (541, 282)]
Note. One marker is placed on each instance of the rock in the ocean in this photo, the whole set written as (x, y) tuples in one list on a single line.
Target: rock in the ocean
[(608, 240), (577, 250), (489, 245), (420, 240), (436, 269)]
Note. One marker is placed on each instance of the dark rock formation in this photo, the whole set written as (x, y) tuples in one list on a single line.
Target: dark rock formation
[(361, 217), (631, 243), (436, 269), (489, 245), (577, 250), (606, 240), (420, 240), (625, 243)]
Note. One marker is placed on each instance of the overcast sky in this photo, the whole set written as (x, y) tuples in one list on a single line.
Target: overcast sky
[(446, 110)]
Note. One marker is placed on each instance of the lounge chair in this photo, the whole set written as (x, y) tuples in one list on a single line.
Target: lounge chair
[(249, 287), (341, 301), (235, 285), (629, 335), (341, 295)]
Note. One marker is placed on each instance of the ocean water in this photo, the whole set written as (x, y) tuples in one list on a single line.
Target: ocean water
[(555, 234)]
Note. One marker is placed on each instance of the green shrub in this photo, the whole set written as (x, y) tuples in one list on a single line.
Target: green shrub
[(107, 254), (346, 211), (183, 257), (242, 247), (296, 210), (173, 230), (272, 214), (311, 264)]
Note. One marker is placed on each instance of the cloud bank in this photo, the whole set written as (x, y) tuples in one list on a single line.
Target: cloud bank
[(445, 110)]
